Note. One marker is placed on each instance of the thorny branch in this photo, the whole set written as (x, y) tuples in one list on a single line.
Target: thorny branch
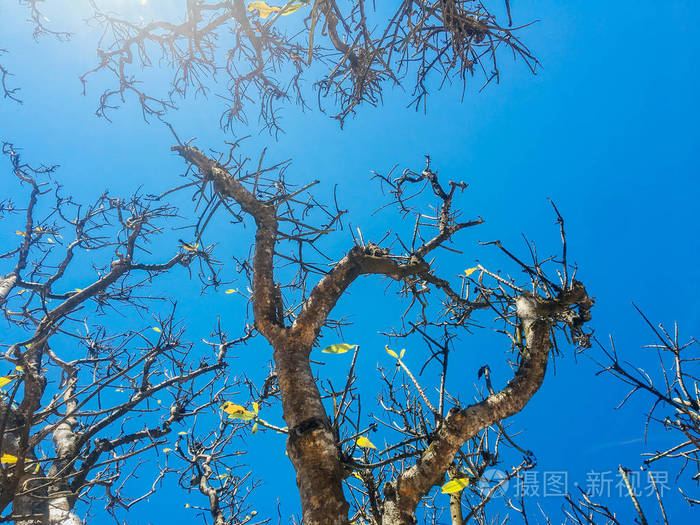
[(80, 385), (431, 440), (359, 48)]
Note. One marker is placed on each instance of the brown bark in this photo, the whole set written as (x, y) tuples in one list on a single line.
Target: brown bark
[(403, 494), (312, 444)]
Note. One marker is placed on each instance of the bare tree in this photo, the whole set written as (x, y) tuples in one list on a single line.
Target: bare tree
[(8, 91), (671, 386), (88, 408), (431, 435), (431, 432), (40, 28), (103, 411), (266, 54)]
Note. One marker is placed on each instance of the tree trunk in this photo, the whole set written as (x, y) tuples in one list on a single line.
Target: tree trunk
[(312, 444)]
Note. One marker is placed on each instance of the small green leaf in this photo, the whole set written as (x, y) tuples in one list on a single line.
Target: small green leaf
[(293, 7), (391, 352), (339, 348)]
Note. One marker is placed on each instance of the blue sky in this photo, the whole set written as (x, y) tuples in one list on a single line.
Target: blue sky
[(607, 129)]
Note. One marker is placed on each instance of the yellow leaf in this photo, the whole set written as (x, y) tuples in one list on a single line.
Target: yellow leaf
[(255, 428), (470, 271), (190, 247), (182, 433), (455, 485), (19, 368), (230, 291), (403, 352), (237, 411), (36, 468), (78, 289), (256, 408), (363, 442), (339, 348), (391, 352), (223, 476), (158, 401), (156, 329), (166, 450), (357, 475), (229, 407), (187, 505), (8, 458), (50, 240), (263, 9), (17, 232), (6, 379)]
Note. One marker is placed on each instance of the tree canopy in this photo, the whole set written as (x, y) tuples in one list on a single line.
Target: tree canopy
[(157, 325)]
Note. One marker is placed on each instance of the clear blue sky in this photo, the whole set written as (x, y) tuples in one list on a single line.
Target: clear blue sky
[(608, 128)]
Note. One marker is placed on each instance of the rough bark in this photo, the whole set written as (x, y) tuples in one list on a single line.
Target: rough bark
[(26, 509), (403, 494), (65, 442), (312, 444), (6, 285)]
